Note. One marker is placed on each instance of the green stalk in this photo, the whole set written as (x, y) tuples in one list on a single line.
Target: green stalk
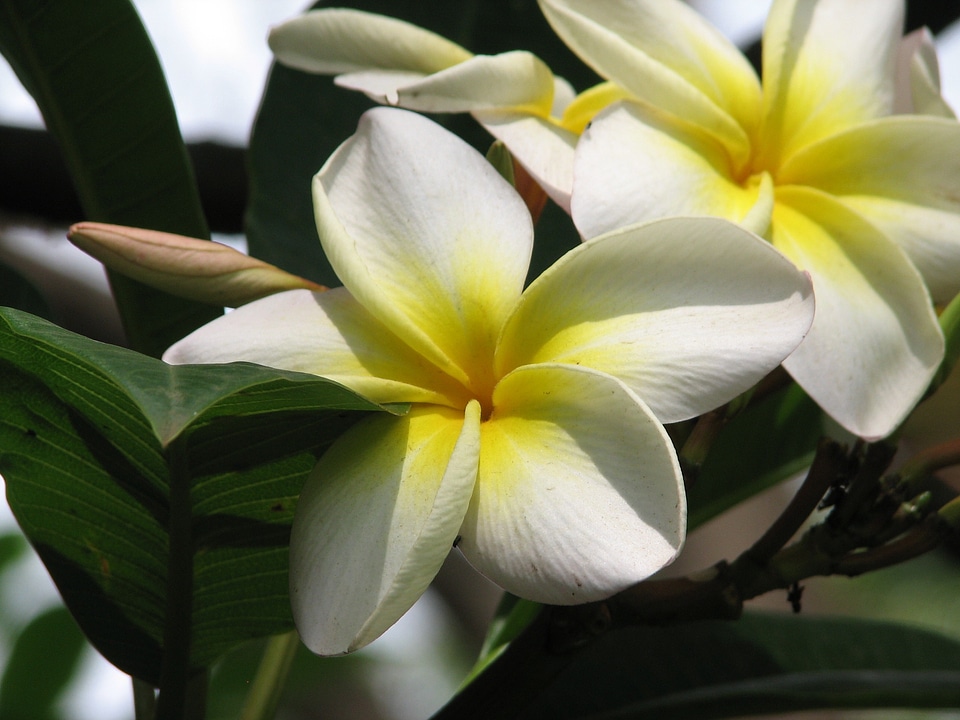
[(268, 684)]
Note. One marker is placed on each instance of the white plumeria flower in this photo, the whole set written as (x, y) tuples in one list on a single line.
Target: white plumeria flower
[(514, 95), (813, 159), (527, 439)]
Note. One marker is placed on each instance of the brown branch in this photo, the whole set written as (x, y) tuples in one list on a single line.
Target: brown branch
[(840, 545)]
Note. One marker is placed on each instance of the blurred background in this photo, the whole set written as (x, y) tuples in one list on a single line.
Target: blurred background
[(216, 60)]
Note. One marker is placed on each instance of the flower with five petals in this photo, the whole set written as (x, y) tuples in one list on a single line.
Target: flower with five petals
[(534, 439), (814, 158)]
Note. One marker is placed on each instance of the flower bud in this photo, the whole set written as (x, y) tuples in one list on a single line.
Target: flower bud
[(200, 270)]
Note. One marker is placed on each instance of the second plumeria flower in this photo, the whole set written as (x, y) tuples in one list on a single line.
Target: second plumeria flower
[(813, 158), (534, 440), (514, 95)]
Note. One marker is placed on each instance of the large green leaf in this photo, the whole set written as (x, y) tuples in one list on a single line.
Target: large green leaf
[(159, 497), (94, 74), (303, 118), (759, 664), (762, 663)]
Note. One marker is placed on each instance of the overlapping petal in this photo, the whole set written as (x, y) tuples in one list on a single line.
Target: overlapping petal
[(687, 312), (327, 334), (440, 263), (875, 342), (667, 55), (375, 521), (819, 76), (903, 173), (397, 63), (633, 165), (918, 77), (336, 40), (579, 494), (514, 80), (583, 108), (545, 149)]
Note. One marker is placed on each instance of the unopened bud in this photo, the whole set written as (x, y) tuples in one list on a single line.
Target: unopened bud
[(200, 270)]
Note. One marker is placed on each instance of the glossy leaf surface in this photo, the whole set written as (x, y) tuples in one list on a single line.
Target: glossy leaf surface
[(140, 483)]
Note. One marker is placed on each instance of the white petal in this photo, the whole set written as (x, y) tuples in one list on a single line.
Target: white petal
[(427, 236), (382, 86), (666, 55), (875, 342), (513, 80), (688, 312), (375, 520), (632, 166), (903, 174), (827, 65), (918, 77), (326, 334), (929, 236), (335, 40), (396, 63), (563, 95), (579, 493), (545, 150)]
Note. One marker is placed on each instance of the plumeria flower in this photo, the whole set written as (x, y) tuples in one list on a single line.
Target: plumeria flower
[(514, 95), (534, 440), (813, 158)]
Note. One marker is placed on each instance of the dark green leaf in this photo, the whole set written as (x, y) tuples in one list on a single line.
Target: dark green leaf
[(132, 477), (760, 664), (43, 661), (765, 444), (94, 74), (512, 616), (950, 323)]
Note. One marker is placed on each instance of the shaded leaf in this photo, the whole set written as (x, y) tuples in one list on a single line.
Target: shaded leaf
[(141, 484), (513, 614), (765, 444), (760, 664), (98, 83), (42, 663)]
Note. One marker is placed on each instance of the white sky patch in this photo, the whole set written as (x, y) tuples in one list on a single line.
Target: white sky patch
[(740, 20)]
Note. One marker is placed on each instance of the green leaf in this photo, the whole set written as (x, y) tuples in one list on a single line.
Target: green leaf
[(303, 118), (96, 78), (42, 663), (950, 324), (513, 614), (759, 664), (765, 444), (159, 497)]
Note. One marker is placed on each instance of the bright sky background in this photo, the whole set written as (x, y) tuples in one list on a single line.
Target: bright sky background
[(215, 56), (216, 59)]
